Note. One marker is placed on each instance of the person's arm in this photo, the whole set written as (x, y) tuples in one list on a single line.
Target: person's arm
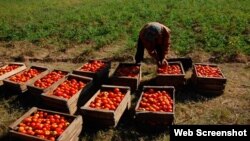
[(163, 46), (166, 41), (139, 52)]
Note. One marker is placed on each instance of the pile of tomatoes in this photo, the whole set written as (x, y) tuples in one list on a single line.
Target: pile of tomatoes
[(49, 79), (153, 100), (208, 71), (68, 88), (44, 125), (8, 69), (170, 69), (108, 100), (129, 71), (93, 66), (25, 76)]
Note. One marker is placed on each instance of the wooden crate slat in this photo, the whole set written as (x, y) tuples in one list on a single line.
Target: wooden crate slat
[(14, 124), (69, 129), (24, 137)]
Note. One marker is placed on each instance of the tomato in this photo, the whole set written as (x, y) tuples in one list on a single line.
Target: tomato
[(153, 100), (93, 66), (49, 79), (108, 100), (128, 71), (208, 71), (169, 69), (68, 88), (8, 68), (25, 76), (52, 138), (43, 125)]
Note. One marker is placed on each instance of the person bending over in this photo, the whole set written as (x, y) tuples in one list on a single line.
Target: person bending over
[(155, 37)]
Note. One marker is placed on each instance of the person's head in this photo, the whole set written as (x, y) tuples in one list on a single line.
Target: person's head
[(152, 32)]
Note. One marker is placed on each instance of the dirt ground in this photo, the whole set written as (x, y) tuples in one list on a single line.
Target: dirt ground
[(232, 107)]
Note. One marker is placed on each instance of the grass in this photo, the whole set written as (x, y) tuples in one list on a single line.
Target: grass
[(73, 31), (191, 108), (220, 27)]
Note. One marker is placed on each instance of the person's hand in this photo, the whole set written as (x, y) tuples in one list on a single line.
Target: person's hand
[(137, 62), (162, 62)]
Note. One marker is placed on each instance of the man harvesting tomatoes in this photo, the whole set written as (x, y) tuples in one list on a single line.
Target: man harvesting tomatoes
[(155, 37)]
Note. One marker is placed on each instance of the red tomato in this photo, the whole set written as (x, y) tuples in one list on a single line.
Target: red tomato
[(156, 101), (25, 76), (170, 69), (43, 125), (208, 71), (68, 88), (108, 100), (129, 71), (93, 66), (8, 68), (49, 79)]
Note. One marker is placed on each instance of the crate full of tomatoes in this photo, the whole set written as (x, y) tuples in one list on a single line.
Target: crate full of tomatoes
[(155, 106), (47, 82), (18, 82), (10, 69), (172, 74), (45, 125), (127, 74), (107, 105), (208, 79), (66, 95), (96, 69)]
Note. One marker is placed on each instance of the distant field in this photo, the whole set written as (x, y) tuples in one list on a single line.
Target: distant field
[(63, 34), (220, 27)]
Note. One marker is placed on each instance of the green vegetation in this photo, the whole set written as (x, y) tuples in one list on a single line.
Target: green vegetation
[(77, 30), (220, 27)]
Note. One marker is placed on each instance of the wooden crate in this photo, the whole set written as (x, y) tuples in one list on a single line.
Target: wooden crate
[(99, 77), (208, 85), (67, 105), (176, 80), (22, 86), (37, 91), (8, 74), (132, 82), (103, 117), (156, 118), (71, 132)]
